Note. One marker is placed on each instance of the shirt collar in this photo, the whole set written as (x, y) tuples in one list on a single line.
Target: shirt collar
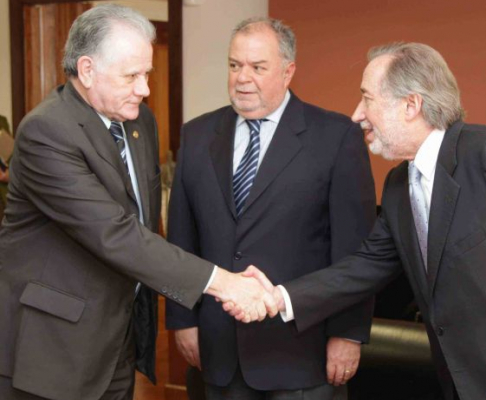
[(275, 115), (426, 158), (105, 120)]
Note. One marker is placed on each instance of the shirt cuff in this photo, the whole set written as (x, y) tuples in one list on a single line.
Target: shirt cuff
[(288, 314), (211, 278)]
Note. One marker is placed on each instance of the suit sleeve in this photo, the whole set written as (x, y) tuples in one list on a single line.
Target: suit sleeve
[(55, 177), (182, 232), (352, 214), (355, 278)]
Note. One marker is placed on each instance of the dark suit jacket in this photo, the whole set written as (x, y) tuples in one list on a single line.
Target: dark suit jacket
[(312, 202), (452, 295), (72, 250)]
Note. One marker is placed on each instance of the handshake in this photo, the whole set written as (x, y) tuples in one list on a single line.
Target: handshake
[(247, 296)]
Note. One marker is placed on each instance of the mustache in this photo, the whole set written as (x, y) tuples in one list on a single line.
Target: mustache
[(365, 125), (244, 89)]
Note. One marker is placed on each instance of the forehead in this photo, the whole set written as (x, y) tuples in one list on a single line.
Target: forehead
[(126, 47), (374, 73), (258, 42)]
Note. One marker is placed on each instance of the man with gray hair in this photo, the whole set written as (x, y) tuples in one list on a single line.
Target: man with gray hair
[(80, 259), (287, 186), (433, 220)]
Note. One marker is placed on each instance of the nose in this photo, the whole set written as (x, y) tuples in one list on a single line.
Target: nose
[(358, 114), (243, 75), (141, 86)]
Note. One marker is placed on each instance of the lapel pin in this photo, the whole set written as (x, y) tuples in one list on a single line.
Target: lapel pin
[(135, 134)]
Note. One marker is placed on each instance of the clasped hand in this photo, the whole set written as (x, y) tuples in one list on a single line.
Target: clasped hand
[(247, 296)]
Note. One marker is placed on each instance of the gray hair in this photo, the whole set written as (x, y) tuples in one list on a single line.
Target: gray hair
[(418, 68), (91, 30), (285, 35)]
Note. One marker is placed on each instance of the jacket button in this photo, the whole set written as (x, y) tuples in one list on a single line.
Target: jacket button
[(440, 331), (238, 255)]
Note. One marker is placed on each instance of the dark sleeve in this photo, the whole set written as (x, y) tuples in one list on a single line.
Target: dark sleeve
[(352, 214), (182, 232), (55, 177), (355, 278)]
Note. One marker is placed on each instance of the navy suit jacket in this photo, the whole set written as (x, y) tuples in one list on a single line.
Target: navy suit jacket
[(312, 202)]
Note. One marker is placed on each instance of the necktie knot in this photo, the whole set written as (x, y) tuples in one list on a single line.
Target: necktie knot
[(414, 174), (116, 131), (254, 126)]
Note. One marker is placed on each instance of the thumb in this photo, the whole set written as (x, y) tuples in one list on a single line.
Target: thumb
[(254, 272)]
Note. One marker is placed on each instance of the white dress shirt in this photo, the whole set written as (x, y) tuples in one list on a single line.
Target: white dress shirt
[(132, 173), (426, 162), (242, 138), (131, 168), (267, 130)]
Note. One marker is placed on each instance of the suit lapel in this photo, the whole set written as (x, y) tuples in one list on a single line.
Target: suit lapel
[(409, 234), (284, 146), (443, 202), (221, 152), (136, 142), (97, 134)]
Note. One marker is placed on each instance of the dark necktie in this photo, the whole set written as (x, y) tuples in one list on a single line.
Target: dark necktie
[(247, 169), (117, 133), (419, 209)]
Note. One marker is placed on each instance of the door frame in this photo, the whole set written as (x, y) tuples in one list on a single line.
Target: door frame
[(175, 63)]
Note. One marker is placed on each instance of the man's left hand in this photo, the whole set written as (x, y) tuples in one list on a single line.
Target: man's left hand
[(342, 360)]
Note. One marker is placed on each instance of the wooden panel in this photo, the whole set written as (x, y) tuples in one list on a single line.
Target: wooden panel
[(175, 392), (46, 28), (48, 73), (175, 73), (158, 101), (32, 56)]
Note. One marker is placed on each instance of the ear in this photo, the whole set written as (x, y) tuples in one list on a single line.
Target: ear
[(414, 106), (289, 73), (85, 71)]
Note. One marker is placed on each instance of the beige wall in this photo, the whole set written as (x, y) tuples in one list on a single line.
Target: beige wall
[(156, 10), (5, 78), (206, 32)]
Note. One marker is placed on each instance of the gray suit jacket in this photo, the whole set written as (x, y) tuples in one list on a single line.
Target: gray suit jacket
[(452, 293), (72, 250)]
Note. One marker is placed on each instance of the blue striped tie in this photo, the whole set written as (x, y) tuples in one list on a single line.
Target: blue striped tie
[(247, 169), (117, 133)]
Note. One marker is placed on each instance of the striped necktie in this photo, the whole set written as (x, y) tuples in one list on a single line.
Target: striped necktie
[(117, 133), (247, 169)]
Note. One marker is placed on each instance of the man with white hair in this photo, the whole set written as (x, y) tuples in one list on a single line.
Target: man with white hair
[(80, 259)]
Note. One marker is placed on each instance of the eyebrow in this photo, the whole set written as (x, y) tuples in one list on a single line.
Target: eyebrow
[(364, 91), (139, 71), (252, 62)]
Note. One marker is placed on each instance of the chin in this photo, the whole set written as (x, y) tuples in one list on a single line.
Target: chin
[(129, 116)]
